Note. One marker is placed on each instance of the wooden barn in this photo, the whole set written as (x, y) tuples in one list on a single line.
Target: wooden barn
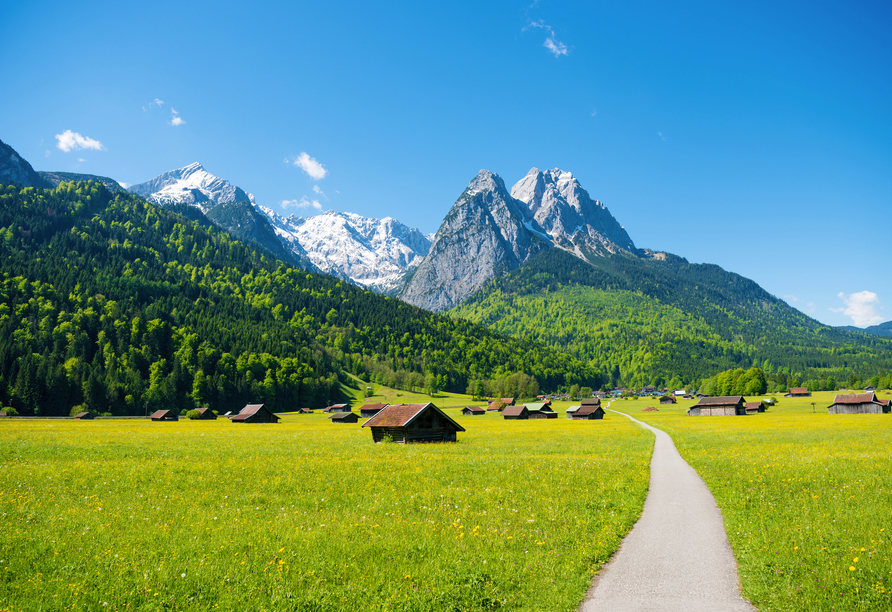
[(338, 408), (305, 411), (719, 406), (540, 410), (516, 413), (473, 411), (754, 407), (164, 415), (587, 412), (572, 410), (344, 417), (82, 416), (370, 410), (858, 403), (206, 414), (495, 406), (667, 399), (406, 423), (798, 392), (508, 401), (255, 413)]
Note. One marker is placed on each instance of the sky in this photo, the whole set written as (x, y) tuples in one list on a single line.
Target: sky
[(756, 137)]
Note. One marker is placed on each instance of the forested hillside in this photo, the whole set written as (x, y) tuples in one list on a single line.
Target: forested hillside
[(112, 304), (643, 321)]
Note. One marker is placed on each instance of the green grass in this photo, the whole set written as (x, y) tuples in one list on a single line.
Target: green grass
[(806, 498), (310, 515)]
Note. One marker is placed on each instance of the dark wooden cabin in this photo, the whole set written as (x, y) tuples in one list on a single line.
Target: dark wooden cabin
[(83, 416), (344, 417), (719, 406), (164, 415), (587, 412), (508, 401), (495, 406), (473, 410), (540, 410), (516, 413), (858, 403), (370, 410), (338, 408), (798, 392), (406, 423), (305, 411), (667, 399), (255, 413), (754, 407), (206, 414)]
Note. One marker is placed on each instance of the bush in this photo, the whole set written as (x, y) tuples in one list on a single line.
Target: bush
[(9, 411), (193, 414)]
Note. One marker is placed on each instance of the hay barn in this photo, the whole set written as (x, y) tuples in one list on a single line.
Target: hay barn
[(305, 411), (754, 407), (344, 417), (370, 410), (540, 410), (338, 408), (719, 406), (858, 403), (81, 416), (164, 415), (406, 423), (516, 413), (206, 414), (667, 399), (473, 411), (588, 412), (255, 413), (798, 392)]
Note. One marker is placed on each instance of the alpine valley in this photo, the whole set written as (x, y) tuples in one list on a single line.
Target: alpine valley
[(183, 291)]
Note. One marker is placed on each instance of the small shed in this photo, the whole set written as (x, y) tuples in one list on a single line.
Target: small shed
[(572, 410), (719, 406), (754, 407), (164, 415), (858, 403), (798, 392), (516, 413), (305, 411), (406, 423), (508, 401), (588, 412), (206, 414), (255, 413), (370, 410), (344, 417), (592, 401), (338, 408), (540, 410), (473, 411), (82, 416), (495, 406), (667, 399)]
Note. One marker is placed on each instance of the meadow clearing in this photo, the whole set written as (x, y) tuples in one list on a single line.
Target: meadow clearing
[(311, 515), (806, 498)]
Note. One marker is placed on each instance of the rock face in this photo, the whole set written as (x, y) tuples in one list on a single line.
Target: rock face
[(14, 169), (564, 209), (373, 253), (487, 232), (192, 185)]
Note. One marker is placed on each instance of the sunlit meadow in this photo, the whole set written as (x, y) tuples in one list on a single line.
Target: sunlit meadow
[(806, 498), (311, 515)]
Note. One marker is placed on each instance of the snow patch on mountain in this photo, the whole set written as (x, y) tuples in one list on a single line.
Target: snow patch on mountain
[(191, 185)]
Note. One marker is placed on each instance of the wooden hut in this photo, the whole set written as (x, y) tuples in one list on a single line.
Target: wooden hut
[(406, 423), (667, 399), (495, 406), (508, 401), (473, 411), (164, 415), (344, 417), (206, 414), (82, 416), (588, 412), (858, 403), (540, 410), (305, 411), (516, 413), (370, 410), (719, 406), (798, 392), (754, 407), (338, 408), (255, 413)]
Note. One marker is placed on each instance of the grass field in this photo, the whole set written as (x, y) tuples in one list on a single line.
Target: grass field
[(806, 498), (310, 515)]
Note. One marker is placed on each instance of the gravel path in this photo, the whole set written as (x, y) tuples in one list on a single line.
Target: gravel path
[(677, 557)]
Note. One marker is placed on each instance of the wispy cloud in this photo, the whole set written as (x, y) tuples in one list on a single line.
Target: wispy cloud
[(554, 46), (791, 298), (304, 202), (69, 141), (660, 134), (313, 168), (154, 103), (318, 191), (175, 118), (863, 308)]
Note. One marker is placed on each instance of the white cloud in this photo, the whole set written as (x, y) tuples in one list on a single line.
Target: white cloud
[(863, 308), (309, 165), (69, 141), (594, 112), (123, 184), (318, 191), (556, 47), (304, 202), (81, 160), (175, 119), (660, 134), (791, 298)]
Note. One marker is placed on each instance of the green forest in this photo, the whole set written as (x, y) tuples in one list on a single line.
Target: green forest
[(113, 305), (647, 321)]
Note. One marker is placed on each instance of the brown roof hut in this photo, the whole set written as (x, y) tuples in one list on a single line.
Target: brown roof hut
[(754, 407), (82, 416), (370, 410), (858, 403), (516, 413), (473, 410), (495, 406), (305, 411), (667, 399), (406, 423), (587, 412), (589, 401), (718, 406), (540, 410), (206, 414), (164, 415), (338, 408), (344, 417), (255, 413), (508, 401), (798, 392)]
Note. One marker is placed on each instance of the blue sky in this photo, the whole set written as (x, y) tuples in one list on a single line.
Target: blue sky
[(756, 137)]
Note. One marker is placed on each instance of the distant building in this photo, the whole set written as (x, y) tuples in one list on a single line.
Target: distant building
[(540, 410), (81, 416), (305, 411), (858, 403), (754, 407), (206, 414), (164, 415), (406, 423), (338, 408), (798, 392), (255, 413), (587, 412), (719, 406), (667, 399), (370, 410), (473, 410), (508, 401), (516, 413), (344, 417)]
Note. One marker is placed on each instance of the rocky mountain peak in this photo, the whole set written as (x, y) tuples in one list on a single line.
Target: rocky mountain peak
[(192, 185)]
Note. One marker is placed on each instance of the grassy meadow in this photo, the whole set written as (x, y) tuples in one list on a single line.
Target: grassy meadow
[(806, 498), (310, 515)]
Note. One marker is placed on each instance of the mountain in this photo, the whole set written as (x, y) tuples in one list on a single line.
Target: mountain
[(54, 178), (883, 329), (192, 185), (373, 253), (486, 233), (14, 169)]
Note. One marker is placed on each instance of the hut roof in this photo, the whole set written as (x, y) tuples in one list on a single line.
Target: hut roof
[(475, 408), (591, 402), (855, 398), (538, 407), (799, 390), (514, 410), (79, 415), (340, 416), (402, 415), (508, 401), (306, 411), (374, 407), (160, 414), (573, 409), (251, 410), (726, 400), (587, 409), (753, 405)]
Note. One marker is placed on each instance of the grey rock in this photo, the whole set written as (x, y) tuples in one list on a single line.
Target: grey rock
[(14, 169)]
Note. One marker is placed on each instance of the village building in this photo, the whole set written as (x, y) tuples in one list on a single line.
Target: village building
[(798, 392), (338, 408), (719, 406), (255, 413), (754, 407), (473, 411), (508, 401), (539, 410), (82, 416), (495, 406), (587, 412), (406, 423), (370, 410), (667, 399), (858, 403), (164, 415), (344, 417), (206, 414), (305, 411), (516, 413)]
